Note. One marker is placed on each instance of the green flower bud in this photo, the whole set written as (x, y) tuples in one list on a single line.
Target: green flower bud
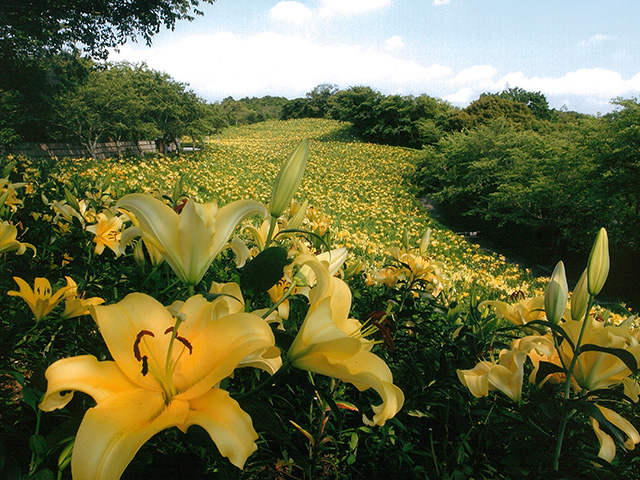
[(288, 179), (556, 295), (138, 254), (296, 220), (580, 298), (598, 266), (425, 241), (405, 238)]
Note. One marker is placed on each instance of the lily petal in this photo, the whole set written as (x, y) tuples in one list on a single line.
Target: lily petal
[(114, 430), (228, 425), (83, 374), (121, 323)]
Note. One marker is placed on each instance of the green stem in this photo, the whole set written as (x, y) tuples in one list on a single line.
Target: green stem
[(33, 464), (566, 411), (272, 226)]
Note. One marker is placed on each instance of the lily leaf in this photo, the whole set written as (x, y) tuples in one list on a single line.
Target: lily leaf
[(592, 410), (264, 271), (212, 296), (545, 369), (557, 329), (624, 355)]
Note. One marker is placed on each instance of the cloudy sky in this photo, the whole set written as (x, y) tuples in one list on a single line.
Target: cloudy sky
[(579, 53)]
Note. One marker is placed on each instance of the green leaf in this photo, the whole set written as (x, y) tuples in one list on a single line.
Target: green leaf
[(557, 329), (210, 297), (38, 445), (591, 410), (44, 474), (624, 355), (30, 397), (71, 199), (265, 270), (545, 369)]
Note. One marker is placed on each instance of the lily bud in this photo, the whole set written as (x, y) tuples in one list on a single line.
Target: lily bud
[(288, 179), (138, 254), (425, 241), (296, 219), (580, 298), (405, 238), (598, 266), (556, 295)]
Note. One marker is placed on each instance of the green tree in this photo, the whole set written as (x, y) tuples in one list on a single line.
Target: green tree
[(133, 102), (35, 28), (535, 101), (490, 107)]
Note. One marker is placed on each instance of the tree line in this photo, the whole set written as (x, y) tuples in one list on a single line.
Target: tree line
[(508, 163)]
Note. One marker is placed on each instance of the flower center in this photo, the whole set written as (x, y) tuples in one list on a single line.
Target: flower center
[(161, 371)]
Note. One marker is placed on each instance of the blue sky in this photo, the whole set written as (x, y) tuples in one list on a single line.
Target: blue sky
[(579, 53)]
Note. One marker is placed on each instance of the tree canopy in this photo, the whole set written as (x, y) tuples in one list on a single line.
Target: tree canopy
[(35, 28)]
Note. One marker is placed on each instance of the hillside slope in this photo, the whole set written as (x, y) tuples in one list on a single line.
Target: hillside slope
[(362, 188)]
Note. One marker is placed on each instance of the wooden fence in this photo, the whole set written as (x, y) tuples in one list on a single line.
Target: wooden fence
[(75, 150)]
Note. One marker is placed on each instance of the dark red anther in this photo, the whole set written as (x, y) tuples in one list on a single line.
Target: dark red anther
[(136, 344), (169, 330), (186, 343), (145, 366), (180, 205)]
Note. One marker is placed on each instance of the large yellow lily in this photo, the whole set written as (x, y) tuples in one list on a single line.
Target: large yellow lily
[(41, 299), (164, 373), (330, 343), (595, 370), (9, 242), (188, 242)]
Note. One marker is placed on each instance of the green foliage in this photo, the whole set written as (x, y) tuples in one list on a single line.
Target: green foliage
[(489, 108), (563, 181), (43, 27)]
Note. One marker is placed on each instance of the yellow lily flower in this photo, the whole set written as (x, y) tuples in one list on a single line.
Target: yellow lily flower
[(330, 343), (41, 300), (190, 241), (507, 375), (231, 302), (164, 374), (595, 370), (9, 242), (520, 313), (75, 306), (107, 233), (305, 277), (9, 191), (607, 445)]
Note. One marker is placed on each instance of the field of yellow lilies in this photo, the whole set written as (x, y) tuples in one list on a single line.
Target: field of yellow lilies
[(284, 300)]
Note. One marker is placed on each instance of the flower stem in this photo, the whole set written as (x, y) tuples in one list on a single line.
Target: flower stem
[(567, 413)]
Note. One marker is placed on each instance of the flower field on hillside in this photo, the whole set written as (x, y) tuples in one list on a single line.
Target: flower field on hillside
[(294, 315)]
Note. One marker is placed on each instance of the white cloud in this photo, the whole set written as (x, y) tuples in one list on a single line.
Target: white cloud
[(394, 42), (351, 7), (292, 12), (222, 64), (440, 2), (596, 39)]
